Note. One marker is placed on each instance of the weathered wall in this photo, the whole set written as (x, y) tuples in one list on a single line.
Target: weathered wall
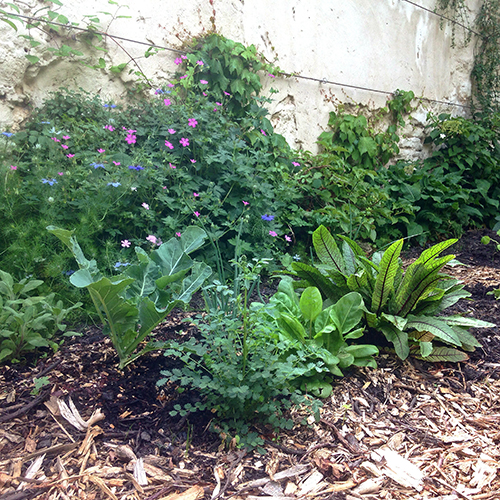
[(383, 45)]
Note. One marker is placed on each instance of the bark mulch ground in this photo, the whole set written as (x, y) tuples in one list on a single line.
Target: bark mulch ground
[(406, 430)]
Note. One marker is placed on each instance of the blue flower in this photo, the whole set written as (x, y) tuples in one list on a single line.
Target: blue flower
[(121, 264), (161, 91), (45, 123), (109, 105), (114, 184), (50, 182), (135, 167), (267, 217), (97, 165), (68, 273), (296, 257), (8, 134)]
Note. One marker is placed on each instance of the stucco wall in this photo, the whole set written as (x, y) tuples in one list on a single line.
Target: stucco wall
[(382, 44)]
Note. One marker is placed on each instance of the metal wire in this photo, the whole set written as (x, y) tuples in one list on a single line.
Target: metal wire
[(303, 77)]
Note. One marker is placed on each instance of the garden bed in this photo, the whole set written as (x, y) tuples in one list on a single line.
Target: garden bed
[(405, 430)]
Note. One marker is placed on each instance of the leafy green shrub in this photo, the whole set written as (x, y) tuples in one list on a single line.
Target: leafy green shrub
[(486, 240), (28, 322), (131, 304), (400, 305)]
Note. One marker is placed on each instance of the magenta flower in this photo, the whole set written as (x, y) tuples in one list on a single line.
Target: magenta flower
[(227, 93), (170, 85), (197, 214), (125, 243), (271, 75), (131, 139), (178, 61), (199, 63), (182, 77), (196, 195), (245, 203), (109, 127), (183, 57), (116, 163), (263, 132), (273, 234), (130, 131), (56, 139), (205, 94), (100, 150), (178, 235), (171, 166), (171, 131), (218, 104), (295, 164), (64, 146), (70, 156), (66, 137), (287, 238), (203, 82), (164, 187), (145, 205), (192, 160), (13, 167), (167, 102), (192, 122), (184, 142), (151, 238), (169, 145), (60, 173)]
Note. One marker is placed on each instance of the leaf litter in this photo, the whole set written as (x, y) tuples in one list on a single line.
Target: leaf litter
[(406, 430)]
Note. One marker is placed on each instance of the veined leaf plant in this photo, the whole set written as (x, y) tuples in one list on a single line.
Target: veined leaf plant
[(404, 306), (132, 304)]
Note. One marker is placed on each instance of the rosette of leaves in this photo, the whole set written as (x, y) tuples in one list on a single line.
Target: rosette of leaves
[(132, 304), (321, 333), (404, 306)]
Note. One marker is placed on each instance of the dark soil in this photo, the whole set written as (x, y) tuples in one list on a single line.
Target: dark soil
[(137, 412)]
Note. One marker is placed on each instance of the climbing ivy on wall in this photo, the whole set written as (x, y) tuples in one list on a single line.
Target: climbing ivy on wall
[(486, 71)]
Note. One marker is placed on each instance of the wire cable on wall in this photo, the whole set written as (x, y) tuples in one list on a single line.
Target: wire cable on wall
[(294, 75)]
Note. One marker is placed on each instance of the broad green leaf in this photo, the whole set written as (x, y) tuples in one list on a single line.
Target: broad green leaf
[(386, 274), (144, 276), (425, 349), (362, 351), (437, 327), (318, 388), (347, 312), (170, 258), (32, 59), (199, 274), (292, 328), (311, 303), (315, 278), (446, 354), (397, 337), (192, 238)]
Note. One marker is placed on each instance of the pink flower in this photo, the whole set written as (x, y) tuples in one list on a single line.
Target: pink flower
[(196, 195), (218, 103), (109, 127), (203, 82), (169, 145), (56, 139), (152, 239), (273, 234), (116, 163), (184, 142), (178, 235), (227, 93), (60, 173), (197, 214), (130, 131), (215, 109), (167, 102), (263, 132), (66, 137), (131, 139), (245, 203), (271, 75), (192, 122), (70, 156), (164, 187), (295, 164), (145, 205), (171, 166), (182, 77), (199, 63), (64, 146), (13, 167), (125, 243), (287, 238), (100, 150), (171, 131), (183, 57), (205, 94), (178, 61), (192, 160), (170, 85)]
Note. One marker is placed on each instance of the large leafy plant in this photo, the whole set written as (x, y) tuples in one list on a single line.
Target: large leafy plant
[(131, 304), (28, 321), (401, 305)]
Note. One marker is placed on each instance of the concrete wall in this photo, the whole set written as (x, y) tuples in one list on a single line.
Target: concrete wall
[(378, 44)]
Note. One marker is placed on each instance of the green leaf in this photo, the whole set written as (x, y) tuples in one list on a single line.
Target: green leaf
[(32, 59), (397, 337), (384, 284), (311, 303), (327, 250), (435, 326), (347, 312), (445, 355)]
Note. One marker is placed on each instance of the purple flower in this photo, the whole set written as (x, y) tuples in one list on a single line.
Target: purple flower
[(267, 217), (167, 102), (178, 235), (50, 182), (97, 165), (192, 122), (197, 214), (184, 142), (13, 167), (273, 234), (114, 184), (135, 167), (178, 61), (169, 145)]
